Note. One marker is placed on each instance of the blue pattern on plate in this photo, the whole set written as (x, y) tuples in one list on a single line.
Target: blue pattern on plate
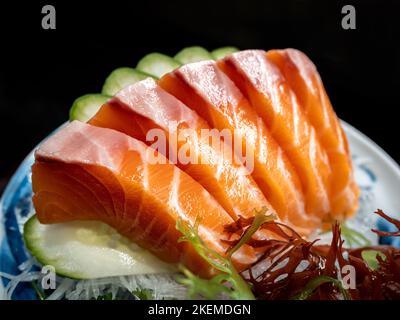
[(15, 206), (384, 225), (367, 193)]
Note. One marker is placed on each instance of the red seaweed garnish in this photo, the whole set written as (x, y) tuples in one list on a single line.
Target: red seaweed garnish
[(395, 222), (287, 266)]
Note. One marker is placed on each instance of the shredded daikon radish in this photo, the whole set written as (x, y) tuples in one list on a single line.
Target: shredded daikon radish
[(59, 293)]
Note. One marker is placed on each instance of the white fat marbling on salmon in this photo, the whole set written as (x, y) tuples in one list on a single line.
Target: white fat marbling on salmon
[(145, 172), (210, 83), (314, 154), (149, 100), (173, 200), (254, 63), (309, 74), (208, 236), (85, 144), (311, 78), (262, 146), (280, 163), (329, 129), (296, 126), (330, 120), (81, 143), (215, 87), (306, 68), (267, 79), (220, 168)]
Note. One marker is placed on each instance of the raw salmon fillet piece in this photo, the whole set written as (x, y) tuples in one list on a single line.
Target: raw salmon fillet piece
[(145, 108), (270, 95), (305, 81), (206, 89), (83, 172)]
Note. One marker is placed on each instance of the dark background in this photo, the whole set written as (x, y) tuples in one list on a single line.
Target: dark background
[(43, 71)]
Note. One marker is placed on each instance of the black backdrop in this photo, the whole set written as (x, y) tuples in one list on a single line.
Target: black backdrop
[(43, 71)]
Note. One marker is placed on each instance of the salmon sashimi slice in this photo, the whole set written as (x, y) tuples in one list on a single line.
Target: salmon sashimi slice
[(143, 108), (206, 89), (269, 94), (83, 172), (305, 81)]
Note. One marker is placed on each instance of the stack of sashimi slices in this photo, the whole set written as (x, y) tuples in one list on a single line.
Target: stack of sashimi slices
[(108, 170)]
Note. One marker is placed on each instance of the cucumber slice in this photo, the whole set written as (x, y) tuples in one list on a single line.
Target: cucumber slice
[(220, 53), (193, 54), (121, 78), (88, 250), (157, 64), (86, 106)]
